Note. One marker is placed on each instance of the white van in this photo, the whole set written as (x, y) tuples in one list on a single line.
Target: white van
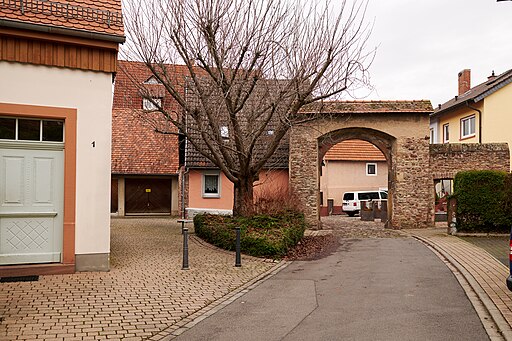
[(352, 200)]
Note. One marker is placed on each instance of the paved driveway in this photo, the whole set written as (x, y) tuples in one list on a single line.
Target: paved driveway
[(145, 293), (369, 289)]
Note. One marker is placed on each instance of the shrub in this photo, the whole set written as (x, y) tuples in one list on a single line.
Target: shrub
[(273, 200), (262, 235), (483, 201)]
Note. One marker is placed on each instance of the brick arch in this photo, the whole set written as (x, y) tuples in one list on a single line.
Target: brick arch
[(400, 129)]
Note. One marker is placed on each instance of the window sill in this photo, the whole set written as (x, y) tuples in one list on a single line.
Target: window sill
[(211, 196), (467, 137)]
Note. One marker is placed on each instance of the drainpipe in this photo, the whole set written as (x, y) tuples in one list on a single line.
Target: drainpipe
[(185, 168), (479, 122), (185, 172)]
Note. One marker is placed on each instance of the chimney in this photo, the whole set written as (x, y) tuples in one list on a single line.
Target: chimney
[(464, 81)]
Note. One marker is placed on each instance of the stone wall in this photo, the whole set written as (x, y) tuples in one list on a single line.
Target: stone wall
[(448, 159), (412, 196), (403, 138)]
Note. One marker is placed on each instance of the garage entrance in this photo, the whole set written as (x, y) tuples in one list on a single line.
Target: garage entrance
[(148, 196)]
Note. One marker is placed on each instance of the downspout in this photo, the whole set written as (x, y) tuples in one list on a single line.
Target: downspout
[(479, 122), (185, 169), (185, 172)]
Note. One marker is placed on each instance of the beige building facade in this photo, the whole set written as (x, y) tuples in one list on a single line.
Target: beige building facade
[(351, 165), (55, 112), (479, 114)]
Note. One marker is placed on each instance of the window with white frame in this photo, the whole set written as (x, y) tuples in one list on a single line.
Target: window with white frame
[(446, 133), (211, 185), (467, 127), (432, 136), (149, 106), (371, 169)]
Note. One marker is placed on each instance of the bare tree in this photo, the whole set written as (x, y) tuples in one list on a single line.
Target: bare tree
[(251, 66)]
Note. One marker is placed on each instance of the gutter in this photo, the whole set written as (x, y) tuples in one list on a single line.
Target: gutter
[(63, 31), (479, 121)]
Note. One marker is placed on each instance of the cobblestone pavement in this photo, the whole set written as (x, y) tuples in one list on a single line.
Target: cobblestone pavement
[(497, 246), (145, 295), (344, 226)]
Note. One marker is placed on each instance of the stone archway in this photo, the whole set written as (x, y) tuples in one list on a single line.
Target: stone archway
[(384, 142), (400, 129)]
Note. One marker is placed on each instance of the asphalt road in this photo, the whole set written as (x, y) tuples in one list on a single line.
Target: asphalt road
[(370, 289)]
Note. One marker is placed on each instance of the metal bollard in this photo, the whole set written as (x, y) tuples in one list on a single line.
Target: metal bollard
[(238, 258), (185, 248)]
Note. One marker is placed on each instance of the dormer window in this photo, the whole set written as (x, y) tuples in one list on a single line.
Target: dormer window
[(152, 80), (148, 105)]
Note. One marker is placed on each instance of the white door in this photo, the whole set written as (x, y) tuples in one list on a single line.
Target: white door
[(31, 204)]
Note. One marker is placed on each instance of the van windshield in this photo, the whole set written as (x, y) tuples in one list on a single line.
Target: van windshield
[(348, 196), (384, 195)]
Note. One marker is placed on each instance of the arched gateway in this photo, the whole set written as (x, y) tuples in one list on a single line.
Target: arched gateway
[(400, 129)]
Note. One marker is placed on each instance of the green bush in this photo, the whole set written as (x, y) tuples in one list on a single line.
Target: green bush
[(261, 235), (483, 201)]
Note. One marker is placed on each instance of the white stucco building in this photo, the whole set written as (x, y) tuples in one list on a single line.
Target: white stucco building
[(55, 136)]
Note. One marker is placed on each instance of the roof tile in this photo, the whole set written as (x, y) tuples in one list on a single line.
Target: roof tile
[(354, 150), (94, 16)]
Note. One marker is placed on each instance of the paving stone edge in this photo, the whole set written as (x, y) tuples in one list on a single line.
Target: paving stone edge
[(499, 320)]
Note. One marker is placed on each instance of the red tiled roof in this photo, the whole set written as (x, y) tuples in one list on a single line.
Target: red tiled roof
[(100, 16), (354, 150), (126, 93), (340, 107), (138, 149)]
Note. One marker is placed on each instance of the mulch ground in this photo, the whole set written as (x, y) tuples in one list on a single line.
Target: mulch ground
[(341, 228), (313, 247)]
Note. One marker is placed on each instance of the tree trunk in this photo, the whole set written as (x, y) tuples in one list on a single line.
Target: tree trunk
[(244, 197)]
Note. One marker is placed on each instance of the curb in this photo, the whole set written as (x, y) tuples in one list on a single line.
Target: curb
[(502, 325), (190, 321)]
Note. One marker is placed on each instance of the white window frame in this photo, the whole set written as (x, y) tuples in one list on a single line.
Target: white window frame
[(432, 135), (368, 164), (224, 132), (147, 105), (446, 133), (470, 133), (203, 185)]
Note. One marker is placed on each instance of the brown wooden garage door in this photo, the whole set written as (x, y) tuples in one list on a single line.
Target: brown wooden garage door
[(143, 196)]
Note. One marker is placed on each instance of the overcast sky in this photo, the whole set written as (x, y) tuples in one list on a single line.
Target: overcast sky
[(422, 45)]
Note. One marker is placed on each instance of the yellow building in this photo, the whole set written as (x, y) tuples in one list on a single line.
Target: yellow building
[(479, 114)]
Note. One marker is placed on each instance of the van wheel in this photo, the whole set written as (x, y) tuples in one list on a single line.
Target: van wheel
[(351, 214)]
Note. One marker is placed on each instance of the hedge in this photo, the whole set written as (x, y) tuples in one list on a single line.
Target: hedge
[(483, 201), (268, 236)]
